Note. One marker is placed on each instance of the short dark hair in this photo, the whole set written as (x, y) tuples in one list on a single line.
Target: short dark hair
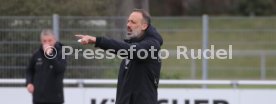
[(145, 14)]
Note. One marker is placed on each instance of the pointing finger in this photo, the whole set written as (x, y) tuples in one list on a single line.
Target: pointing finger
[(79, 36)]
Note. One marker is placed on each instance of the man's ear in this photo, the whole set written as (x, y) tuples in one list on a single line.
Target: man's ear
[(145, 26)]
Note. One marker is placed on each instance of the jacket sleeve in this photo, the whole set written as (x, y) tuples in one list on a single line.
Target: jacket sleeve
[(116, 45), (30, 71), (58, 63)]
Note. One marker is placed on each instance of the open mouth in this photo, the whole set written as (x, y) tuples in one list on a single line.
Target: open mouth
[(129, 31)]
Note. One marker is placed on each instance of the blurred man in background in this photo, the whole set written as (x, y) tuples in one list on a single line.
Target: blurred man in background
[(44, 75), (138, 78)]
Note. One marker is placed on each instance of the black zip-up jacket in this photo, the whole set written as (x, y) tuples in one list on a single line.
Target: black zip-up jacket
[(138, 78), (47, 76)]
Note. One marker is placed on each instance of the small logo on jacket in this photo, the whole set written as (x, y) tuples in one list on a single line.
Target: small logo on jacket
[(39, 61)]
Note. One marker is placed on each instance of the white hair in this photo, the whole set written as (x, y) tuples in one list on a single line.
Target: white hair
[(47, 32)]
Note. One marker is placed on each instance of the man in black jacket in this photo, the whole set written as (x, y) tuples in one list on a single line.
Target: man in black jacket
[(44, 75), (138, 77)]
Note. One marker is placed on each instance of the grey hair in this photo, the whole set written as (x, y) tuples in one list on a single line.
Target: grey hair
[(46, 32)]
